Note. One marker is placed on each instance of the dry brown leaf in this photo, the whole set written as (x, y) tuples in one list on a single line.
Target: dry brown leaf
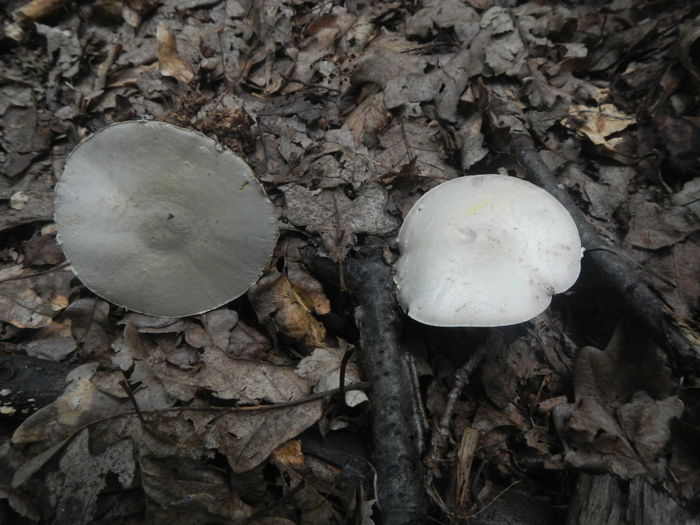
[(132, 354), (81, 476), (599, 123), (290, 455), (388, 57), (369, 117), (442, 14), (231, 379), (308, 481), (169, 61), (218, 325), (596, 441), (415, 144), (288, 303), (248, 438), (43, 250), (471, 141), (505, 51), (81, 403), (646, 423)]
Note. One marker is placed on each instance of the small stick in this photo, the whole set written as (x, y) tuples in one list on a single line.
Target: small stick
[(61, 266), (442, 432), (465, 457)]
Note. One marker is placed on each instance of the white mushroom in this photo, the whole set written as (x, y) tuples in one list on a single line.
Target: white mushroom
[(162, 220), (485, 250)]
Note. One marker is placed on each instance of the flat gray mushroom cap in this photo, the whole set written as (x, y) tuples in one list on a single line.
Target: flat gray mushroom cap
[(161, 220), (485, 250)]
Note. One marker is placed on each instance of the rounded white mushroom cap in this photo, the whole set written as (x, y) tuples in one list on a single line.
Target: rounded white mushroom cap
[(485, 250), (163, 220)]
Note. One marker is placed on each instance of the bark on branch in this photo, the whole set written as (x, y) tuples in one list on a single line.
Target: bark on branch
[(396, 450)]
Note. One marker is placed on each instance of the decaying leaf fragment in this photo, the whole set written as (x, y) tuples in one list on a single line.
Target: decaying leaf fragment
[(223, 377), (369, 118), (82, 475), (169, 61), (599, 123), (288, 302), (336, 218), (182, 490), (322, 34)]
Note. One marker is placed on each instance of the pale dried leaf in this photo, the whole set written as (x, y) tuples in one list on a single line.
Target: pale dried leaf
[(247, 439), (232, 379), (322, 369), (336, 218), (169, 61), (90, 325), (599, 123), (653, 227), (441, 14), (82, 476)]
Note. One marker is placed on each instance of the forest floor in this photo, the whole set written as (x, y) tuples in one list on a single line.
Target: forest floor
[(348, 112)]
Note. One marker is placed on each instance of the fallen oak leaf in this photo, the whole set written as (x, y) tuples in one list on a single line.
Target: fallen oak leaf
[(228, 378), (243, 434)]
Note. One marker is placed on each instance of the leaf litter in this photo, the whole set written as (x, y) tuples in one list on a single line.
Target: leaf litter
[(348, 112)]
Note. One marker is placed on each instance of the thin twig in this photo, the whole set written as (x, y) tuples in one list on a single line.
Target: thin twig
[(130, 394), (343, 368), (495, 498), (35, 274), (442, 432)]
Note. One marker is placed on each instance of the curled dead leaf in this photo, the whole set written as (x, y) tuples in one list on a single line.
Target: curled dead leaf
[(288, 303)]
